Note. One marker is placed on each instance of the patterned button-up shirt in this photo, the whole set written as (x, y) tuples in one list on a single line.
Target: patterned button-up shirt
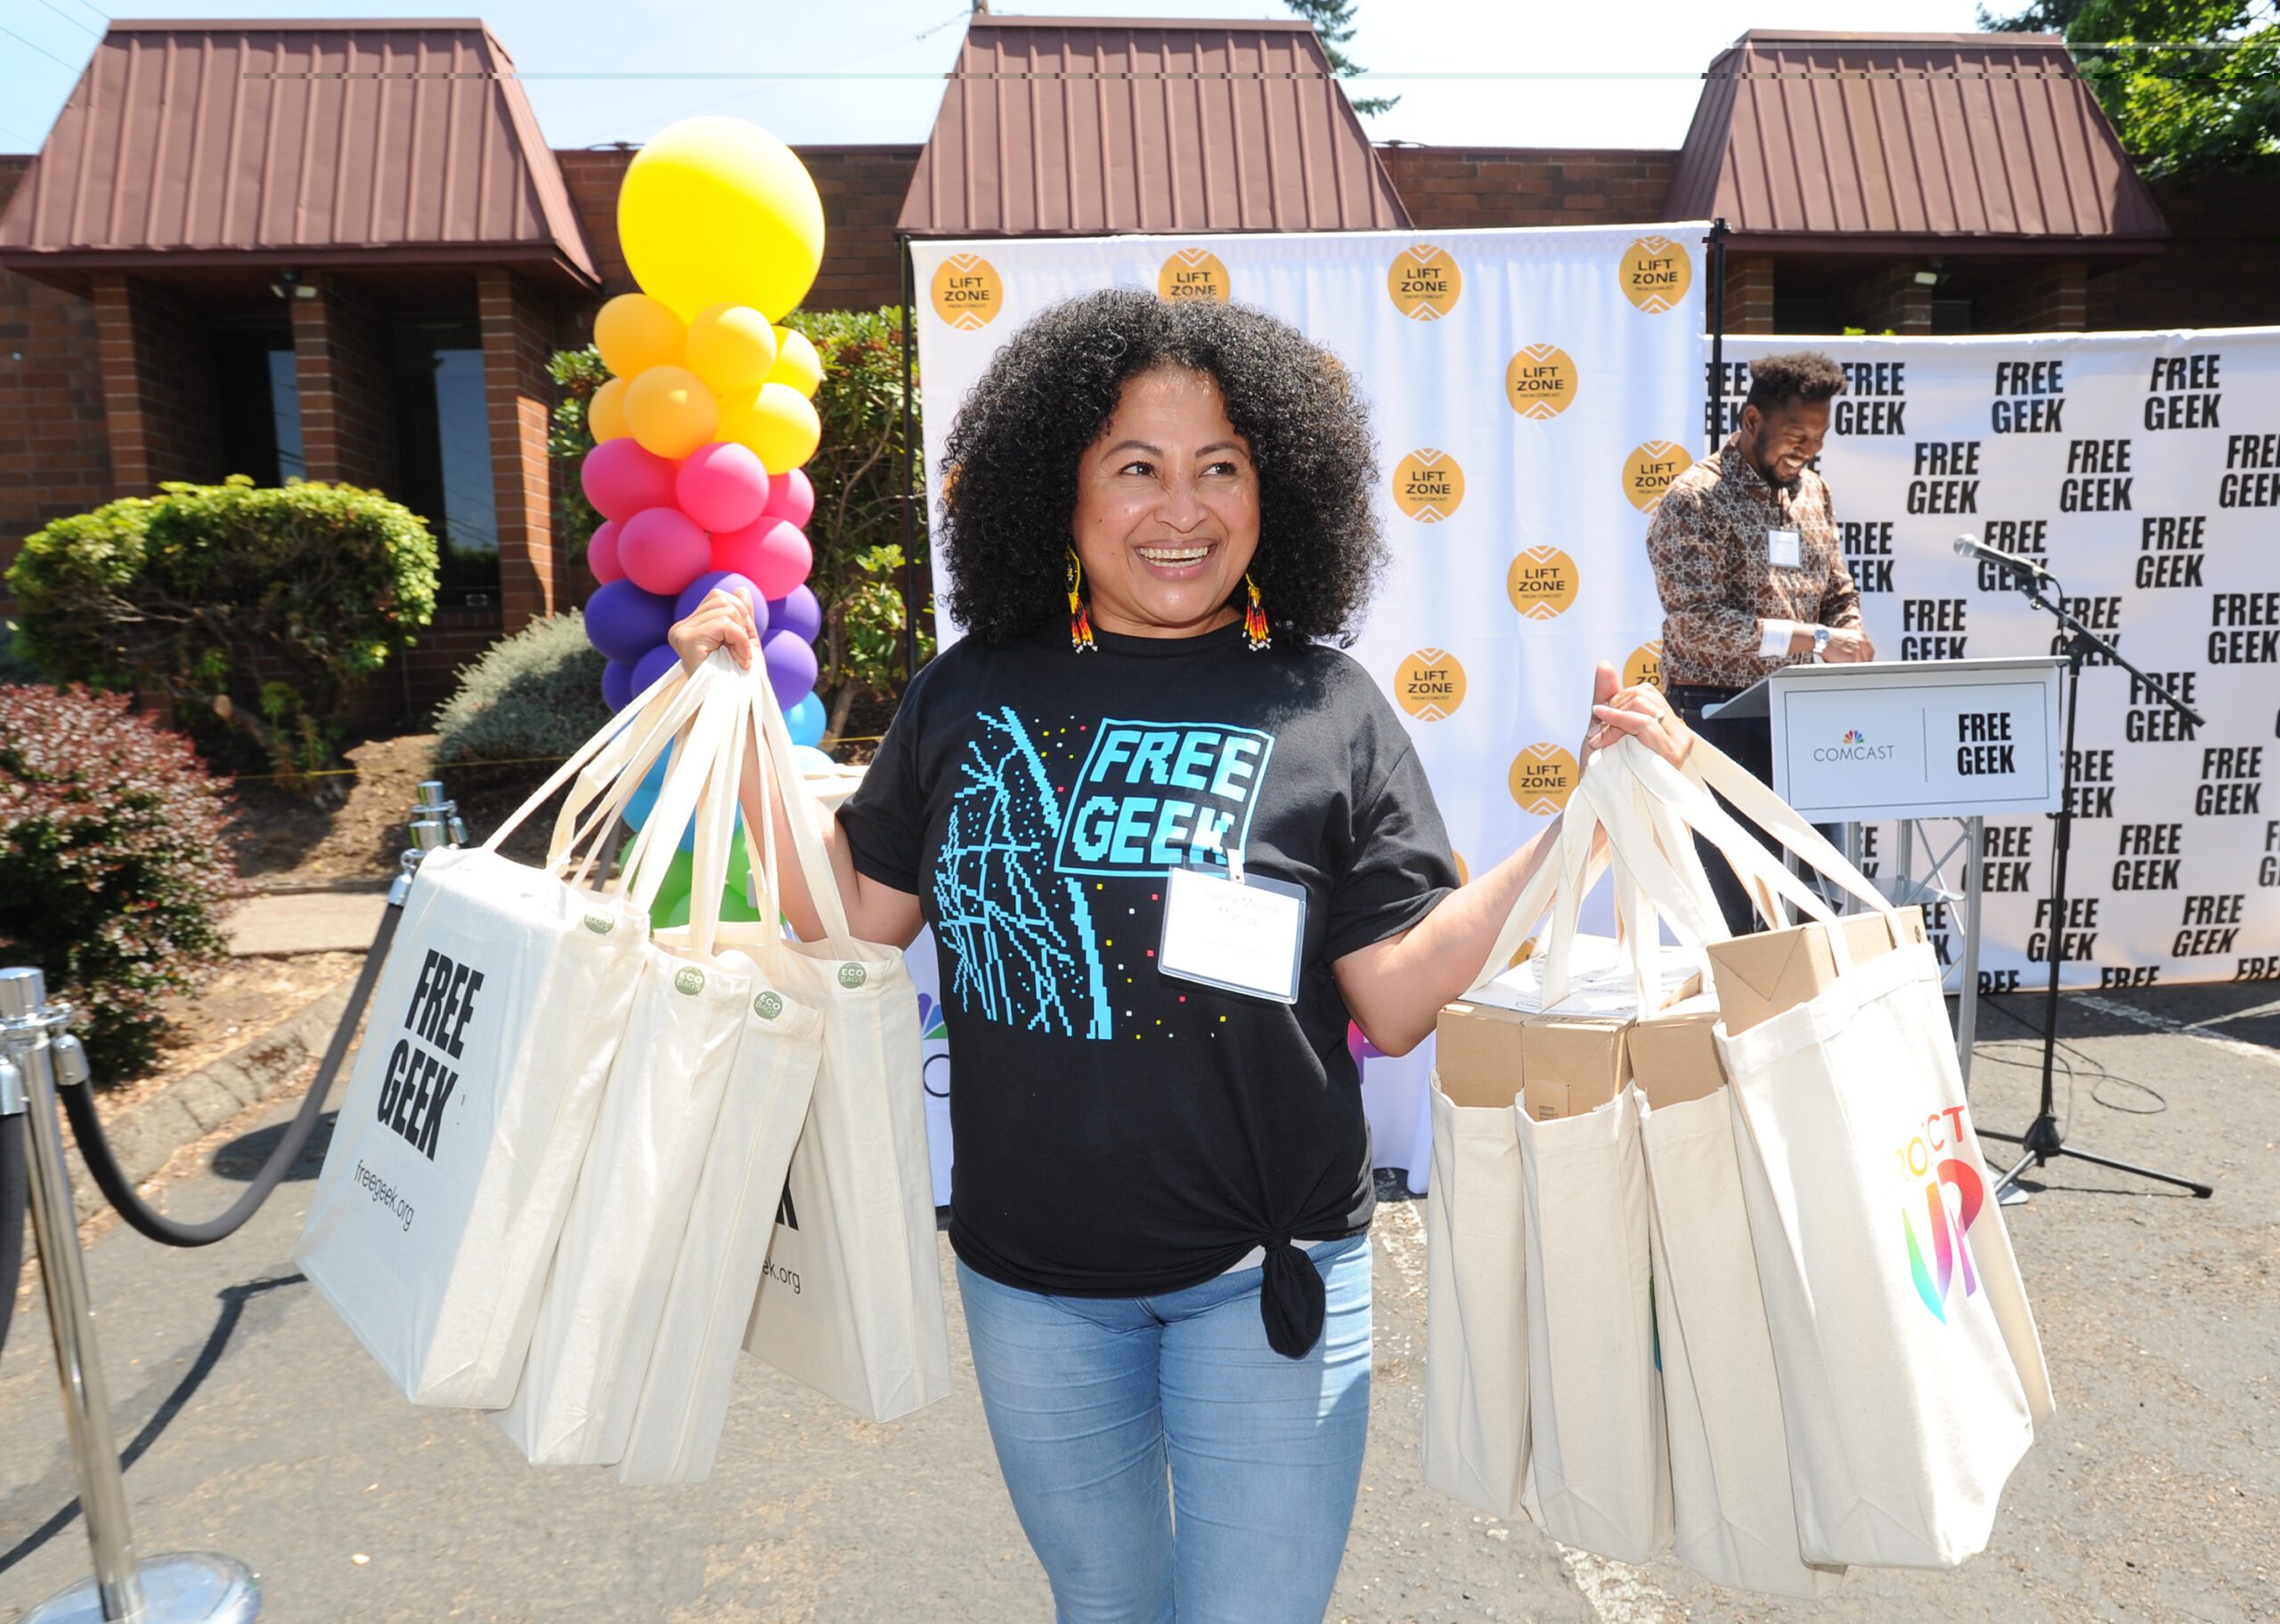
[(1719, 587)]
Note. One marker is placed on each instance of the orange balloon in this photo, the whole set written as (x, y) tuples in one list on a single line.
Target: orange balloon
[(635, 332), (606, 411), (776, 421), (671, 412)]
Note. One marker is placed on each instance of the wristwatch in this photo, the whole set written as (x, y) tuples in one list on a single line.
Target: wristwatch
[(1820, 642)]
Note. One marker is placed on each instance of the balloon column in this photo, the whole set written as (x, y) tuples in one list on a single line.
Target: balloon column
[(707, 418)]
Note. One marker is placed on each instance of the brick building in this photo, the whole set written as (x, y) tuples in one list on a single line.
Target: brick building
[(269, 249)]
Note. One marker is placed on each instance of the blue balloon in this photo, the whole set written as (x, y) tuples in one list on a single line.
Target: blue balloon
[(652, 665), (806, 721), (644, 802)]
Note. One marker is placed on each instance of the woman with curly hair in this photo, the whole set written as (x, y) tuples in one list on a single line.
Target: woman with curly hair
[(1158, 515)]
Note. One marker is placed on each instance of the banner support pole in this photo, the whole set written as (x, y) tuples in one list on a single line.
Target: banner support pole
[(1714, 397), (909, 470)]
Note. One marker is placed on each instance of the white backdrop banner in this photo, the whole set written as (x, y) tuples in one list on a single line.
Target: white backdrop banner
[(1533, 392), (2142, 470)]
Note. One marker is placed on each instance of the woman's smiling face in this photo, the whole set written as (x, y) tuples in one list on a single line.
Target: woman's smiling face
[(1167, 517)]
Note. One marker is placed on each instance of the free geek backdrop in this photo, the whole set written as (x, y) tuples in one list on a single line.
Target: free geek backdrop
[(1534, 394)]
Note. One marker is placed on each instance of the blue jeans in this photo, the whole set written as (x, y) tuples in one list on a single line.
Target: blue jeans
[(1095, 1401)]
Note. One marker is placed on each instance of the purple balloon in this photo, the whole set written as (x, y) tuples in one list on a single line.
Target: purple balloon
[(791, 667), (797, 613), (626, 622), (617, 684), (652, 665), (695, 591)]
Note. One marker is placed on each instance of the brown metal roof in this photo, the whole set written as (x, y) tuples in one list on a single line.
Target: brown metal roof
[(1058, 125), (313, 143), (1856, 142)]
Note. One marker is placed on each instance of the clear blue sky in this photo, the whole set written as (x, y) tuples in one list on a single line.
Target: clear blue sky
[(1568, 73)]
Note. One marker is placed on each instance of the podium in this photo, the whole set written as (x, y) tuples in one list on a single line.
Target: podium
[(1914, 741)]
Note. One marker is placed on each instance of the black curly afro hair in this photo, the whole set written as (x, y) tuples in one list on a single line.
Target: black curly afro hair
[(1010, 490)]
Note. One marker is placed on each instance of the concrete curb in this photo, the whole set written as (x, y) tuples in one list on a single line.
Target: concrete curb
[(145, 1138)]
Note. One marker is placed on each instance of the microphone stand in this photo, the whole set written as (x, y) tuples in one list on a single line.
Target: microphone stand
[(2043, 1139)]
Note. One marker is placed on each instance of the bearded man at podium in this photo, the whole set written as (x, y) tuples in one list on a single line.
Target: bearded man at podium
[(1752, 575)]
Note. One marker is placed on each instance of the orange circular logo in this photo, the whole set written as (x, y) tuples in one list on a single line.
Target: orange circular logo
[(967, 292), (1195, 274), (1541, 583), (1542, 777), (1540, 382), (1427, 485), (1430, 685), (1645, 666), (1655, 273), (1424, 282), (1464, 871), (1648, 470)]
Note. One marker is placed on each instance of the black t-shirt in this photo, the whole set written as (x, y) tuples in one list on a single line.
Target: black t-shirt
[(1123, 1132)]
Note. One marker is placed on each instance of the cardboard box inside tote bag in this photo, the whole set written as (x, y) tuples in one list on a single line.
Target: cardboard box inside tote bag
[(1760, 976)]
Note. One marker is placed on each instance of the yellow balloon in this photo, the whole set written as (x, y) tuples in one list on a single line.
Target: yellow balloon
[(731, 347), (776, 421), (796, 363), (717, 211), (606, 411), (671, 412), (635, 332)]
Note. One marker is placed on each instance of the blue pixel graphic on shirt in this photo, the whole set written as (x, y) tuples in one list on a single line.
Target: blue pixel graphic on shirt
[(1154, 796), (1021, 936)]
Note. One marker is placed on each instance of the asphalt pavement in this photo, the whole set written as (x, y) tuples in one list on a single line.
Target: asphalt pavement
[(253, 1423)]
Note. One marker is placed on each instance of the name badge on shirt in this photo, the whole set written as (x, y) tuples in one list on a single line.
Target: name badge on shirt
[(1783, 550), (1239, 932)]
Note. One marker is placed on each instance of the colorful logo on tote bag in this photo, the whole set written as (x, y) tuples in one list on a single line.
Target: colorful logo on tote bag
[(1941, 1253)]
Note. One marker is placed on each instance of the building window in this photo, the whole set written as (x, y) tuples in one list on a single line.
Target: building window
[(258, 394), (1800, 315), (1952, 318), (443, 449)]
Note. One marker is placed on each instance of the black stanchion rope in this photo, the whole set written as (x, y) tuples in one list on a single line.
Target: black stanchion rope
[(88, 1129)]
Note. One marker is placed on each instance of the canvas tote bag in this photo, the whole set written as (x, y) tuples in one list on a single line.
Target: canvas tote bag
[(1911, 1375), (684, 1399), (598, 1321), (1734, 1521), (474, 1089), (850, 1303)]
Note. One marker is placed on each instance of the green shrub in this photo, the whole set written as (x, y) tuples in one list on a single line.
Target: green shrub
[(857, 529), (113, 867), (577, 373), (254, 610), (537, 694), (16, 667)]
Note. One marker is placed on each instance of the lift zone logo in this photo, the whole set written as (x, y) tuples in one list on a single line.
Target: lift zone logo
[(1154, 796)]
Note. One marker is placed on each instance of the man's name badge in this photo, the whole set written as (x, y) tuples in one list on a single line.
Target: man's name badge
[(1783, 550), (1239, 932)]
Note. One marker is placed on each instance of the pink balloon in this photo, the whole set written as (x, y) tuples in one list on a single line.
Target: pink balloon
[(662, 549), (621, 479), (602, 554), (722, 486), (773, 555), (791, 499)]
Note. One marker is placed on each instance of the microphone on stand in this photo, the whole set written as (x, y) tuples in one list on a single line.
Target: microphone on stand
[(1972, 547)]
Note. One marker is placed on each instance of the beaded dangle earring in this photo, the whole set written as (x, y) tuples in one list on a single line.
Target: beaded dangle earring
[(1255, 619), (1080, 619)]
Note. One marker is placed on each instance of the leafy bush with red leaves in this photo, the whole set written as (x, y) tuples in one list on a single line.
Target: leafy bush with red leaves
[(114, 863)]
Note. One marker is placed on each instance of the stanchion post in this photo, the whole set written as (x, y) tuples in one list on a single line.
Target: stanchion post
[(191, 1588)]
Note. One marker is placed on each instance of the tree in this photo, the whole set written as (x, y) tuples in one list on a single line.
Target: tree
[(1333, 21), (2190, 84)]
